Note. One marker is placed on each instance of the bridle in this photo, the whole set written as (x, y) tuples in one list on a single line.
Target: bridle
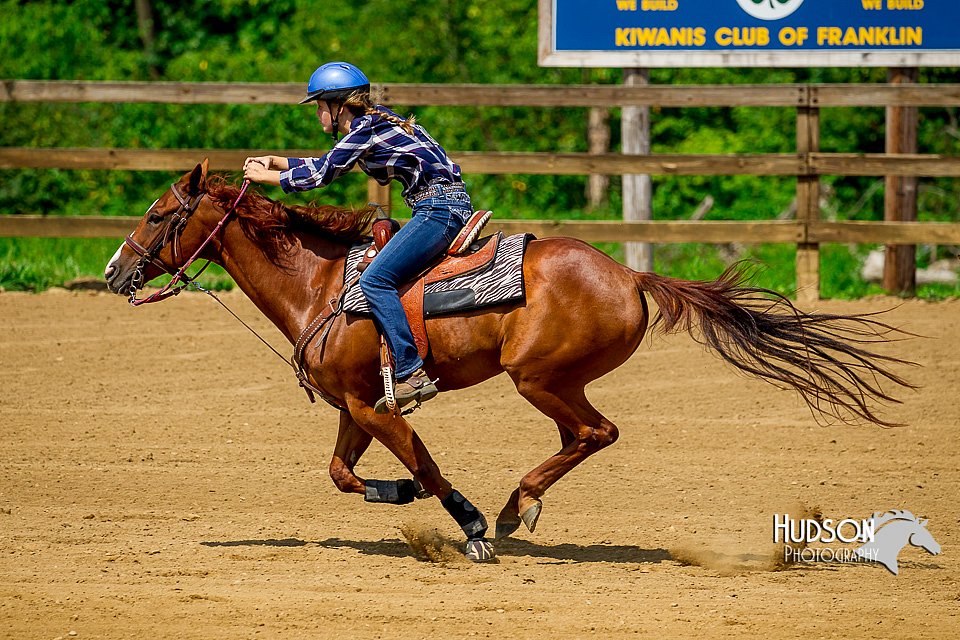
[(170, 235)]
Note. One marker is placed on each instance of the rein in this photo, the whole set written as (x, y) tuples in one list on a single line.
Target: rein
[(172, 232)]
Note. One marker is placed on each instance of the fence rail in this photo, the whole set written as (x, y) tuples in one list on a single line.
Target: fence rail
[(485, 95), (507, 162), (661, 231), (807, 164)]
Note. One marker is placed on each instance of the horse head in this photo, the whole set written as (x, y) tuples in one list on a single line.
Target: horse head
[(893, 530), (164, 238), (922, 538)]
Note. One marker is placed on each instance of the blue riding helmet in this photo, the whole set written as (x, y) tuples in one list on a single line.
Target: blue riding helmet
[(335, 81)]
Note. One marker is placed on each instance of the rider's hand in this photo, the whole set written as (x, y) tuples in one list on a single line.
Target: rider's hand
[(257, 172), (265, 161)]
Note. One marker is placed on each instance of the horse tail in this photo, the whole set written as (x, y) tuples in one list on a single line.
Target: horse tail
[(827, 358)]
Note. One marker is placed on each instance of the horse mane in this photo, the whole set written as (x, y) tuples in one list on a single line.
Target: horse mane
[(880, 519), (269, 223)]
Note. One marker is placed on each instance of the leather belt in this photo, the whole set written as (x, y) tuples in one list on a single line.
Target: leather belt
[(434, 191)]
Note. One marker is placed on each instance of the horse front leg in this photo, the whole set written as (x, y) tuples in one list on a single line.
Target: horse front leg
[(352, 442), (399, 438)]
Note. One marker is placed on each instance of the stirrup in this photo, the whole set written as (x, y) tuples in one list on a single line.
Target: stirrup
[(381, 406), (388, 403)]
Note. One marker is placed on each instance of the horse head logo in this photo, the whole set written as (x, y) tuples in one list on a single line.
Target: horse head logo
[(769, 9), (892, 531)]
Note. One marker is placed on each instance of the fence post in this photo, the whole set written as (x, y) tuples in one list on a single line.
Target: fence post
[(637, 189), (598, 141), (900, 192), (808, 197)]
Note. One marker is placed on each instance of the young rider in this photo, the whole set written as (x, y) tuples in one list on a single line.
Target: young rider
[(386, 147)]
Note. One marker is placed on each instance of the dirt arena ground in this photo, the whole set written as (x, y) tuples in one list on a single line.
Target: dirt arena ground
[(161, 475)]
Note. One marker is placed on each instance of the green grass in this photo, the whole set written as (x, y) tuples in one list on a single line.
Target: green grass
[(840, 267), (36, 264)]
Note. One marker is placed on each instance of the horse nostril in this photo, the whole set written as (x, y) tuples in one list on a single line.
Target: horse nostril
[(111, 268)]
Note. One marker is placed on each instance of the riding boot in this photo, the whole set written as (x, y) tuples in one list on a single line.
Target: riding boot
[(417, 387)]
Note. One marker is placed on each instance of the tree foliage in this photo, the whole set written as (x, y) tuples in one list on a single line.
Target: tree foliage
[(445, 41)]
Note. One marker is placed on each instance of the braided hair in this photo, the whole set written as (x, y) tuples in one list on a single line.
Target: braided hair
[(362, 103)]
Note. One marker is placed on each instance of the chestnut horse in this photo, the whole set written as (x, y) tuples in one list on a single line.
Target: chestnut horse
[(584, 315)]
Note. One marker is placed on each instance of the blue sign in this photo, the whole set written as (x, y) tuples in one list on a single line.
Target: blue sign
[(753, 32)]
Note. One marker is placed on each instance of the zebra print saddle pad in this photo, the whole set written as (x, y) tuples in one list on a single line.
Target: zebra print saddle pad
[(497, 282)]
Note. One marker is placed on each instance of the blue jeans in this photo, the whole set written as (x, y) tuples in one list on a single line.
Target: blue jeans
[(435, 223)]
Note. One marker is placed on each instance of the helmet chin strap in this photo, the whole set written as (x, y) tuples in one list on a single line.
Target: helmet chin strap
[(335, 118)]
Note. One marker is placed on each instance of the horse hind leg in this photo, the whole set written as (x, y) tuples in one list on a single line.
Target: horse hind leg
[(509, 519), (584, 431)]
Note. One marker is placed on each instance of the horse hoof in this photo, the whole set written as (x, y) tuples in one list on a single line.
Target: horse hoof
[(480, 550), (531, 515), (506, 526)]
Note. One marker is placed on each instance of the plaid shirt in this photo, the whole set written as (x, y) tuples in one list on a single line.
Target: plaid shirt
[(383, 151)]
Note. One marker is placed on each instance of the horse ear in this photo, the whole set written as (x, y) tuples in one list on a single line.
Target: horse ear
[(198, 177)]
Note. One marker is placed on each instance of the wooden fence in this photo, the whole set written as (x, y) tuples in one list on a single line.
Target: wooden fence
[(807, 163)]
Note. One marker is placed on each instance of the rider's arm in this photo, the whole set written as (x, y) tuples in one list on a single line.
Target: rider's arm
[(310, 173)]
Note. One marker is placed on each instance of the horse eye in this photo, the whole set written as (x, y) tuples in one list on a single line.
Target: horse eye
[(155, 218)]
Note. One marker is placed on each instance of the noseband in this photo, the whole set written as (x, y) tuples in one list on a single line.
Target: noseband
[(170, 234)]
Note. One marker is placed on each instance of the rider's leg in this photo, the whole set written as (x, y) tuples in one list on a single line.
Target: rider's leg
[(427, 235), (407, 253)]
